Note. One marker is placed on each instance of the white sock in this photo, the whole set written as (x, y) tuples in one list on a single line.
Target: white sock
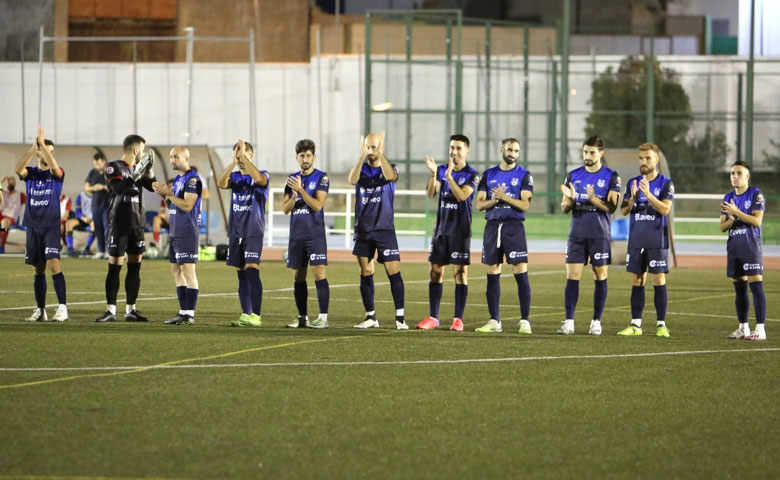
[(130, 308), (569, 323), (112, 309), (63, 307), (660, 323), (745, 327), (324, 316), (594, 322), (191, 313), (399, 312), (759, 328), (372, 312), (637, 322)]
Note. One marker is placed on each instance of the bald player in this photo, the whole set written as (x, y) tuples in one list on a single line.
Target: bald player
[(374, 178), (183, 201)]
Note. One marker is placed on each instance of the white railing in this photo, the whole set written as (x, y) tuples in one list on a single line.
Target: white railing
[(272, 229), (699, 196)]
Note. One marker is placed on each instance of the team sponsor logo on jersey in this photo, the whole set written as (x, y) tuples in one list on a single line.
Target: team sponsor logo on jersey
[(110, 170), (461, 255), (300, 211), (449, 206), (737, 231), (657, 192), (657, 263), (760, 198), (515, 181), (312, 185), (317, 257), (514, 254), (639, 217), (601, 183), (751, 266), (49, 250), (366, 200), (387, 252), (475, 180), (324, 180), (193, 181), (600, 256), (38, 203), (747, 204)]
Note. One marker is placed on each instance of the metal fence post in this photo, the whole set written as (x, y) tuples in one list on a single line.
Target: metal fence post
[(551, 123), (750, 79), (40, 74), (564, 93), (367, 76), (190, 41), (650, 107), (252, 90)]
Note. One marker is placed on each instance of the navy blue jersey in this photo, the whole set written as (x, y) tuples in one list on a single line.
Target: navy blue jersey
[(99, 197), (374, 200), (514, 182), (305, 223), (247, 206), (587, 221), (745, 240), (454, 217), (43, 198), (185, 224), (649, 229)]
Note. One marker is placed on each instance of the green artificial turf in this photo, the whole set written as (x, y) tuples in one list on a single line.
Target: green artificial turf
[(502, 406)]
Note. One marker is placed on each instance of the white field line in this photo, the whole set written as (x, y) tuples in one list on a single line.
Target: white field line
[(391, 362)]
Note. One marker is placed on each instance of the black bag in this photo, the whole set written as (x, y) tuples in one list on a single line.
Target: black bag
[(222, 251)]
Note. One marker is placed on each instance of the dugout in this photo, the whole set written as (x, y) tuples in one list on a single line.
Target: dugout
[(76, 160), (624, 161)]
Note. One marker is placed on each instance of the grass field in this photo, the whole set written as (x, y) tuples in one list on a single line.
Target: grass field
[(210, 401)]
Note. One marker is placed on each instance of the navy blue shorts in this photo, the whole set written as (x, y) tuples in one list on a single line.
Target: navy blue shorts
[(244, 251), (183, 250), (381, 242), (131, 242), (450, 249), (652, 260), (307, 251), (43, 243), (504, 239), (744, 266), (597, 250)]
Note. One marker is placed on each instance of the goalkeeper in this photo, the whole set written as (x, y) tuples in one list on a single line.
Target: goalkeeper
[(125, 178)]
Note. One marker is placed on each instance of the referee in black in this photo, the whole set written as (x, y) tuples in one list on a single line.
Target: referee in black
[(125, 178)]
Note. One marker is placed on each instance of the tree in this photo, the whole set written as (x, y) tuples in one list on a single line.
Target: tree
[(619, 101)]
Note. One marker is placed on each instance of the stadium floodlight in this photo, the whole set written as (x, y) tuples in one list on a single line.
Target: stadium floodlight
[(382, 107)]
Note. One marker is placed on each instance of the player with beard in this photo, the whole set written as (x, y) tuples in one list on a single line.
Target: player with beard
[(183, 200), (126, 178), (374, 178), (648, 200), (451, 243), (505, 195), (591, 194), (742, 212), (42, 219), (304, 198)]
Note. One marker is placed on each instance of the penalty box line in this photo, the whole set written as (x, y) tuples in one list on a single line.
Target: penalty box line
[(175, 365)]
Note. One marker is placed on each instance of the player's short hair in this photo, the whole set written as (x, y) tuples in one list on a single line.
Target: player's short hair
[(740, 163), (131, 141), (99, 156), (650, 146), (595, 141), (459, 137), (305, 145), (248, 145), (48, 142), (510, 140)]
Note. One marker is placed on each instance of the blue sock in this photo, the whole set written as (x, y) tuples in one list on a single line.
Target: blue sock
[(367, 292), (461, 294), (39, 285), (660, 301), (323, 294), (493, 295), (191, 299), (599, 298), (90, 239), (759, 301), (571, 295), (243, 293), (434, 298), (59, 287), (638, 301), (69, 240), (741, 301), (523, 294), (397, 289), (180, 294), (301, 291), (255, 289)]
